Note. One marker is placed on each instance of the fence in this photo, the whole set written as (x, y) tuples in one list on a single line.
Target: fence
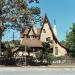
[(20, 61), (68, 61)]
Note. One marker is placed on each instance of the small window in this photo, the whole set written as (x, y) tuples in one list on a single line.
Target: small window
[(48, 39), (44, 30), (31, 37), (56, 50)]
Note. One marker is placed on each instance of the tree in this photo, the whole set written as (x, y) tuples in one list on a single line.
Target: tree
[(63, 42), (1, 27), (45, 53), (7, 53), (70, 41), (17, 14), (72, 48)]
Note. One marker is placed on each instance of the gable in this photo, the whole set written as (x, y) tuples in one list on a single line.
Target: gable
[(46, 32), (49, 32), (31, 32), (61, 50)]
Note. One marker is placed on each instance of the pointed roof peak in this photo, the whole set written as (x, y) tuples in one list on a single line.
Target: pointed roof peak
[(45, 18), (45, 15)]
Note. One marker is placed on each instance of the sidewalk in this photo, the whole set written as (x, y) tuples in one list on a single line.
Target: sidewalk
[(39, 68), (49, 66), (62, 66)]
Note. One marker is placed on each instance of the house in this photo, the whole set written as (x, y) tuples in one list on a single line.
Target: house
[(47, 33), (34, 37)]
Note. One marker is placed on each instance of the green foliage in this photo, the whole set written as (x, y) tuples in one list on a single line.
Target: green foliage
[(70, 41), (1, 3), (63, 43), (35, 10), (7, 53), (46, 49), (18, 13), (11, 43), (38, 55), (44, 53), (50, 58)]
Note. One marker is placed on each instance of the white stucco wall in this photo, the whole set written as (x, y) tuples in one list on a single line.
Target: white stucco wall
[(47, 34), (31, 32), (35, 29), (21, 39), (61, 51)]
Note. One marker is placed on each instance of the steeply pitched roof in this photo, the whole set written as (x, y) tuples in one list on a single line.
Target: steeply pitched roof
[(27, 31), (32, 30), (24, 32), (38, 31), (46, 20)]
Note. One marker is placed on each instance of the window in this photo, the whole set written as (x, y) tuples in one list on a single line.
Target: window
[(31, 36), (48, 39), (56, 50), (44, 30)]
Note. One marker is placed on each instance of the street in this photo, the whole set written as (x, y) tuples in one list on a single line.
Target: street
[(36, 71)]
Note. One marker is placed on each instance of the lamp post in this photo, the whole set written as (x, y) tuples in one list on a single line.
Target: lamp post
[(25, 52), (0, 45), (25, 55)]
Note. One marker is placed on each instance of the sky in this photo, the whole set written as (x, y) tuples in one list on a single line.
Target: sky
[(63, 11)]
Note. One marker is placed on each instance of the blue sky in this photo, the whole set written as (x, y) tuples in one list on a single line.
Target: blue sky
[(61, 10)]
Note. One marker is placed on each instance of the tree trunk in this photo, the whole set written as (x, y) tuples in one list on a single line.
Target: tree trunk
[(0, 41)]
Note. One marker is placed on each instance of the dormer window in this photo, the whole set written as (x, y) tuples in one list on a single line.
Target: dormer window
[(44, 30), (48, 39)]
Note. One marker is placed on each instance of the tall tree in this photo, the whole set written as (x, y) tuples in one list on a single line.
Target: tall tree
[(45, 53), (17, 14), (72, 48), (70, 41)]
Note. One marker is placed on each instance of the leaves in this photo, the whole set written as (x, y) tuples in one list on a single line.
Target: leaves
[(30, 1), (35, 10), (70, 41), (19, 12)]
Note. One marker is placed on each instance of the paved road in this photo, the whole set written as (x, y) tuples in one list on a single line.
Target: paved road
[(36, 71)]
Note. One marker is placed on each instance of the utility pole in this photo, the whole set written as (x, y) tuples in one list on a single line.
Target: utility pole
[(1, 31), (13, 37), (0, 45)]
